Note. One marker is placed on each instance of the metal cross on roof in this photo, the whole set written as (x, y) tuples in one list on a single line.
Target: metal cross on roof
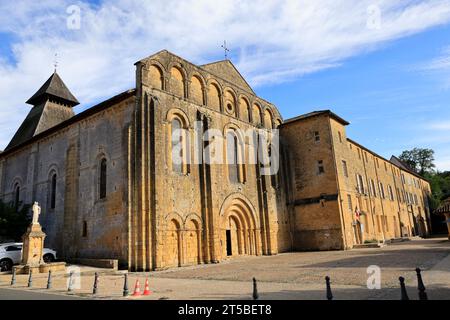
[(224, 46), (56, 62)]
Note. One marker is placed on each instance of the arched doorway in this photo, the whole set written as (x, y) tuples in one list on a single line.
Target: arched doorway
[(233, 236), (358, 232), (422, 228), (240, 234), (173, 248), (192, 242)]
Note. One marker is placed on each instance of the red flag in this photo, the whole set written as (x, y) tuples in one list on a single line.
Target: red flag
[(357, 213)]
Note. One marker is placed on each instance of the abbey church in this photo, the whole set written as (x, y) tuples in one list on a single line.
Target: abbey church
[(111, 186)]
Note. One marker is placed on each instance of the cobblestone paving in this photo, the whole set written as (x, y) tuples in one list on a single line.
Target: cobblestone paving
[(284, 276), (344, 267)]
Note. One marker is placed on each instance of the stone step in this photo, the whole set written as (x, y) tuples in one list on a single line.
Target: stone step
[(368, 245)]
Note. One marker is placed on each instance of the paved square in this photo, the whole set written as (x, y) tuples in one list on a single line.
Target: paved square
[(284, 276)]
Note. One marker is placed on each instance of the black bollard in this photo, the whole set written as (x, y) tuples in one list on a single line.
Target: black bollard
[(404, 295), (49, 280), (125, 286), (13, 279), (70, 288), (329, 293), (94, 290), (420, 286), (255, 290), (30, 279)]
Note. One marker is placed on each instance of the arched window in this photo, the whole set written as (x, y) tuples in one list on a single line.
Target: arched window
[(17, 196), (232, 157), (103, 178), (177, 146), (53, 192), (85, 230)]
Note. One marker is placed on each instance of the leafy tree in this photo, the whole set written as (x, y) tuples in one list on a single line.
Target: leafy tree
[(418, 159), (13, 221)]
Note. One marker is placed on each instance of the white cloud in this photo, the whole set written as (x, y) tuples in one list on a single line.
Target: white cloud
[(440, 63), (442, 159), (271, 41), (440, 67), (439, 125)]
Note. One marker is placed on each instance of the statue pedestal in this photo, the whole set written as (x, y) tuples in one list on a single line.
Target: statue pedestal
[(33, 248)]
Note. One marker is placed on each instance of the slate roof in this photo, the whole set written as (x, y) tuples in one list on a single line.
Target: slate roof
[(42, 117), (54, 87), (83, 115)]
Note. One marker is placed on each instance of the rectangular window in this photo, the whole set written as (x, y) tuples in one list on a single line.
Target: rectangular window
[(403, 178), (415, 200), (360, 183), (378, 163), (382, 195), (350, 204), (391, 193), (359, 153), (365, 156), (372, 186), (344, 168), (385, 166), (320, 167), (340, 136), (316, 136)]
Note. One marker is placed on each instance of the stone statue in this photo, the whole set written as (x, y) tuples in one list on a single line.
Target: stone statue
[(36, 212)]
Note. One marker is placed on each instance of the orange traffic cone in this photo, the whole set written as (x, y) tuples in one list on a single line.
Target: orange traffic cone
[(137, 289), (147, 291)]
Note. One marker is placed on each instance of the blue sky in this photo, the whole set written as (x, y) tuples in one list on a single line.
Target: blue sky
[(391, 100), (390, 79)]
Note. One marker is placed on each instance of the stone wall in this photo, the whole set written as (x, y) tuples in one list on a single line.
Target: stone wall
[(192, 208), (358, 180), (73, 153), (317, 223)]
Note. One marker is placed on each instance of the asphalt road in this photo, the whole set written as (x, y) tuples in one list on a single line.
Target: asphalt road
[(14, 294)]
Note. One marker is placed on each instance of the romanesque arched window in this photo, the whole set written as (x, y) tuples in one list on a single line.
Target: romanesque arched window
[(233, 157), (103, 178), (177, 146), (16, 196), (53, 192)]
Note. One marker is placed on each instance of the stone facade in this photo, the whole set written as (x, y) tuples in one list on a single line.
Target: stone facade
[(109, 187), (356, 196)]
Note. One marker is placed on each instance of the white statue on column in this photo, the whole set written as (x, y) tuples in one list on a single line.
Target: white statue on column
[(36, 212)]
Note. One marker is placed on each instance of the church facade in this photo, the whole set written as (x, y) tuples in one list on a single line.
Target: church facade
[(111, 185)]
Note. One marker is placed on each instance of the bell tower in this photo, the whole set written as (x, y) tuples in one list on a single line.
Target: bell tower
[(52, 105)]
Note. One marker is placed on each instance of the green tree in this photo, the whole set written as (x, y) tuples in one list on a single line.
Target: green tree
[(418, 159), (440, 187), (13, 221)]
